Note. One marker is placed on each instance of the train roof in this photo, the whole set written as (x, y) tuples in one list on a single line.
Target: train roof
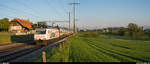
[(50, 27)]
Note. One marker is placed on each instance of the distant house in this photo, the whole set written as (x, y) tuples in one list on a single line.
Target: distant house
[(20, 25), (105, 30)]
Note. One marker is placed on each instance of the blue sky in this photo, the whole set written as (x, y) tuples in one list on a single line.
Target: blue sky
[(90, 13)]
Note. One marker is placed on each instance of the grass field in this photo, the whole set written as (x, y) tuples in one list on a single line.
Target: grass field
[(91, 47), (4, 37), (142, 38)]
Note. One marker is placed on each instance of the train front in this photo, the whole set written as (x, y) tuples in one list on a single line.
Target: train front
[(40, 34)]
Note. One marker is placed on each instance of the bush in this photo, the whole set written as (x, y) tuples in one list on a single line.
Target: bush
[(89, 34), (126, 34), (4, 24), (115, 32), (140, 34)]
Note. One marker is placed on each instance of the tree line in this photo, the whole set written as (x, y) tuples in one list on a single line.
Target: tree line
[(133, 30)]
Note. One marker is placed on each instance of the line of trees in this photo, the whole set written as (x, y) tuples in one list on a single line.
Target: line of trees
[(4, 24), (39, 24), (133, 30)]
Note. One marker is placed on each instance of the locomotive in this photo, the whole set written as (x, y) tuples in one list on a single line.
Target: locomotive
[(48, 35)]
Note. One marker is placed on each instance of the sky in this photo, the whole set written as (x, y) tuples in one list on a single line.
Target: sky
[(89, 13)]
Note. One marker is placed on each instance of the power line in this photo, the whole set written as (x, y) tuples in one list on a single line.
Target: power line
[(53, 22), (62, 6), (34, 11), (49, 4), (2, 14), (7, 7)]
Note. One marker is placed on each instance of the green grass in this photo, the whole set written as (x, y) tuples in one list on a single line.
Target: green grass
[(92, 47), (4, 37), (141, 38)]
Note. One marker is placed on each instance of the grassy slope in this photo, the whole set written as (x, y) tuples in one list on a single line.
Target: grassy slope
[(4, 37), (89, 47)]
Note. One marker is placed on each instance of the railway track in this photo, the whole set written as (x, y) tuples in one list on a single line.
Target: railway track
[(12, 47), (38, 53), (5, 44), (26, 51), (16, 54)]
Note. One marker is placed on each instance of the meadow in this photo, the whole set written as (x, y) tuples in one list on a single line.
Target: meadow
[(4, 37), (93, 47)]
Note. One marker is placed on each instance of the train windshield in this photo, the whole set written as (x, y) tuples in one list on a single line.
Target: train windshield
[(41, 32)]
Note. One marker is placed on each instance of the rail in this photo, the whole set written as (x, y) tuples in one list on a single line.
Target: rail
[(38, 53), (28, 54)]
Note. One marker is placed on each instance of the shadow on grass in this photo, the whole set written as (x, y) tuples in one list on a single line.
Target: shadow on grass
[(27, 39), (117, 54), (127, 37)]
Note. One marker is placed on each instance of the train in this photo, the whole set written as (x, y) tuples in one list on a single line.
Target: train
[(48, 35)]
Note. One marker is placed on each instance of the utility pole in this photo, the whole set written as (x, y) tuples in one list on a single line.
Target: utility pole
[(69, 20), (74, 19), (96, 29), (53, 24)]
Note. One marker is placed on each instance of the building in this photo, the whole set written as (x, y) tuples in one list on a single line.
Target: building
[(20, 25)]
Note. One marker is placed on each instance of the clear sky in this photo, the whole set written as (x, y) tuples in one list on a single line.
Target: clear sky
[(90, 13)]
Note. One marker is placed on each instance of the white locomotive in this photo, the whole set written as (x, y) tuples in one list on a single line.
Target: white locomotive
[(45, 36), (46, 33)]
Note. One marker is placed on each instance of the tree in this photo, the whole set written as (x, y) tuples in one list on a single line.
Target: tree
[(110, 30), (147, 32), (121, 31), (132, 28), (41, 23), (4, 24), (34, 26), (140, 29)]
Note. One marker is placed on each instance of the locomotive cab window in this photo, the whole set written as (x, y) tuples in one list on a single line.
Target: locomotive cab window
[(40, 32)]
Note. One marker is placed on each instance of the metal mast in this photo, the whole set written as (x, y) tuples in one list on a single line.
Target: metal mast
[(74, 19), (69, 20)]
